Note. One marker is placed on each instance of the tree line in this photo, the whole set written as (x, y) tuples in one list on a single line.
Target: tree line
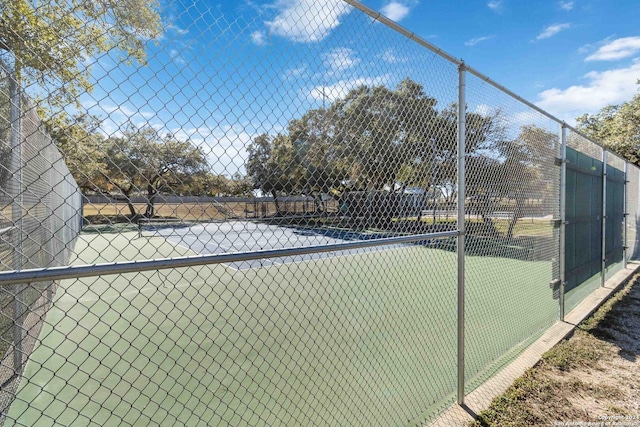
[(617, 127), (376, 139), (373, 139), (138, 161)]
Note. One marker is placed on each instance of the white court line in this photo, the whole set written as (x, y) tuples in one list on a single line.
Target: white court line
[(196, 240), (261, 244)]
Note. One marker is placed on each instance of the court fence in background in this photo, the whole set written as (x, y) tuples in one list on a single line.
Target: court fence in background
[(397, 227), (40, 222)]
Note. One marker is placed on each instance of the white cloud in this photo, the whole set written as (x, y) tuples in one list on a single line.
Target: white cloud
[(104, 111), (307, 20), (511, 120), (177, 57), (474, 41), (390, 57), (583, 50), (172, 31), (294, 73), (616, 49), (603, 88), (484, 110), (495, 4), (566, 5), (340, 59), (552, 30), (224, 146), (258, 37), (341, 88), (176, 29), (395, 11)]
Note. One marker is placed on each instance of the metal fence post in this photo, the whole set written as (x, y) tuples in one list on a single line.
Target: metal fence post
[(625, 250), (49, 240), (461, 225), (16, 214), (603, 267), (563, 217)]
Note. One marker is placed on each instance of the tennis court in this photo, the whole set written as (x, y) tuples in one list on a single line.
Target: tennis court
[(247, 236), (330, 340)]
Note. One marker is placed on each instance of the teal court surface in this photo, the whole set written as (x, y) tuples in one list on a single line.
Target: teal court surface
[(366, 337)]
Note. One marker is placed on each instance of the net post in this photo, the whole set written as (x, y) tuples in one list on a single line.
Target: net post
[(460, 249), (603, 265), (563, 217)]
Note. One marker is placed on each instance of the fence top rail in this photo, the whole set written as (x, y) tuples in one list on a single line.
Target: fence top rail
[(74, 272), (402, 30), (459, 62)]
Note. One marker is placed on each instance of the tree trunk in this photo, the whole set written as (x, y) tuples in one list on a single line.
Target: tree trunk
[(420, 206), (127, 197), (517, 214), (132, 210), (151, 200), (274, 193), (317, 200)]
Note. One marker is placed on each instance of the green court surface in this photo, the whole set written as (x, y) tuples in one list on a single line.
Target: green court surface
[(359, 339)]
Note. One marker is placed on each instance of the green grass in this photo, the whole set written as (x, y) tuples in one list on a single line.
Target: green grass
[(366, 339)]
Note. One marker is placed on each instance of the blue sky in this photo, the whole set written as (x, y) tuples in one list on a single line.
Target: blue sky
[(568, 57), (223, 72)]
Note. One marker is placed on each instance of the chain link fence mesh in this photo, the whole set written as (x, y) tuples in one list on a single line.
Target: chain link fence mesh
[(341, 338), (512, 242), (303, 142), (41, 219)]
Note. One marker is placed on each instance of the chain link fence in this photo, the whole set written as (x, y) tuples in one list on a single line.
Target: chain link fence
[(512, 243), (41, 219), (271, 222)]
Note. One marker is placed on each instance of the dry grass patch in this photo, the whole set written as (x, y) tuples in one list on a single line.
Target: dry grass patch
[(184, 211), (592, 377)]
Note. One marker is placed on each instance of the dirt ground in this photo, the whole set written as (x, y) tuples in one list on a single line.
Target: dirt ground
[(186, 211), (591, 379)]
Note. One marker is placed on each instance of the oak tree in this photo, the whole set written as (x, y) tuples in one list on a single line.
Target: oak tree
[(51, 42), (616, 126)]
